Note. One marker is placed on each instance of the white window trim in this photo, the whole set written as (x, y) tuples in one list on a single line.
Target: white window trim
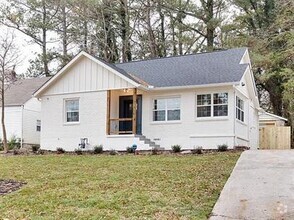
[(65, 122), (166, 121), (38, 125), (242, 110), (211, 117)]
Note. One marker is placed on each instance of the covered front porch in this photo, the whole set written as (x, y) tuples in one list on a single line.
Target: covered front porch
[(124, 112)]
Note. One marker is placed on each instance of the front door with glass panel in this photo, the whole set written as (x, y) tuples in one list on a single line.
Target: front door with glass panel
[(126, 111)]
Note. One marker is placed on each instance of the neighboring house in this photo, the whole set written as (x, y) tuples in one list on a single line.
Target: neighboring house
[(267, 119), (23, 111), (204, 99)]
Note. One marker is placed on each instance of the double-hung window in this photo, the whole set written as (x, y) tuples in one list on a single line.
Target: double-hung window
[(72, 110), (38, 125), (239, 109), (212, 105), (167, 109)]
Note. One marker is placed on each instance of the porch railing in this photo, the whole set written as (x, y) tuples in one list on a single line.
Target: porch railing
[(121, 125)]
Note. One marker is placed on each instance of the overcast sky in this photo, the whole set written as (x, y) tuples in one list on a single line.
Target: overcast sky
[(27, 49)]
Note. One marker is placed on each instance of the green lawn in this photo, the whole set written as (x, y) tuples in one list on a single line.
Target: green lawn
[(114, 187)]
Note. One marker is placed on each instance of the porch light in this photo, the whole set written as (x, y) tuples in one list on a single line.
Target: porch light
[(126, 90)]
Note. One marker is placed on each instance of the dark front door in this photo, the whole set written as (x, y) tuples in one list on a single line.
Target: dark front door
[(126, 111)]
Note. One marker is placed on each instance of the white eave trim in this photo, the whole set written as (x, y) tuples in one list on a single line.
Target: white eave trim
[(72, 62), (193, 86), (272, 115)]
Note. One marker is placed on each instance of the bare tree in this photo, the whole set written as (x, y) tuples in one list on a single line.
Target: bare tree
[(9, 58)]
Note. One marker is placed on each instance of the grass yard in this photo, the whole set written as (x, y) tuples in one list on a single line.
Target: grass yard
[(114, 187)]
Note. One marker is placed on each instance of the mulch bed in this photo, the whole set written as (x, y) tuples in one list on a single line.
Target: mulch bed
[(8, 186)]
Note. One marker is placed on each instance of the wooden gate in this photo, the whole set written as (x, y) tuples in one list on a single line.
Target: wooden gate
[(275, 137)]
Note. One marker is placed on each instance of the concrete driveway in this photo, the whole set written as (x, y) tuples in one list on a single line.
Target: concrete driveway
[(261, 186)]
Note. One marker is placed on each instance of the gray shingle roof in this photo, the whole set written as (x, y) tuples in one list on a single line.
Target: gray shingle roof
[(22, 90), (196, 69)]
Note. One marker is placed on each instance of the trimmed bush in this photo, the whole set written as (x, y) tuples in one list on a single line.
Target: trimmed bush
[(113, 152), (130, 150), (35, 148), (60, 150), (78, 151), (98, 149), (176, 148), (197, 150), (222, 147), (155, 151)]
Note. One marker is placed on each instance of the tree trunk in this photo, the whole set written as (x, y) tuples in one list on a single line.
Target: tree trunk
[(64, 35), (126, 50), (152, 40), (162, 32), (209, 27), (44, 42), (44, 53), (4, 135)]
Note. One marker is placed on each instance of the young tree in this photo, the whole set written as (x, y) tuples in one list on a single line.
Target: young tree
[(9, 58)]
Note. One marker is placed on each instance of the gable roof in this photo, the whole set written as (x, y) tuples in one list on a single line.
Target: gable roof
[(22, 90), (218, 67), (189, 70)]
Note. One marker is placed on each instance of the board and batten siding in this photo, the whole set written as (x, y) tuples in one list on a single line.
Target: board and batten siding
[(86, 76)]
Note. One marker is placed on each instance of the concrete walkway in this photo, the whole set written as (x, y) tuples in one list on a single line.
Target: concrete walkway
[(261, 186)]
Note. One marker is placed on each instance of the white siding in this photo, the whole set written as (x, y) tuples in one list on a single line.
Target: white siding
[(247, 132), (31, 113), (13, 122), (85, 76)]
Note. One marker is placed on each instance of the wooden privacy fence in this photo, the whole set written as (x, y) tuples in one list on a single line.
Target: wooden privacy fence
[(275, 137)]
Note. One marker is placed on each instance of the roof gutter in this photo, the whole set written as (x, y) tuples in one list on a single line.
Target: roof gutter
[(152, 88)]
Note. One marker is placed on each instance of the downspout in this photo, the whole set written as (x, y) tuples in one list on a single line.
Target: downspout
[(21, 134)]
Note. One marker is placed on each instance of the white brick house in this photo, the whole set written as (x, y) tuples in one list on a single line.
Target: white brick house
[(194, 100)]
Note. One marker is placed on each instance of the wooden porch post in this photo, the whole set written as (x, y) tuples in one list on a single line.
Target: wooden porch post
[(134, 111), (108, 112)]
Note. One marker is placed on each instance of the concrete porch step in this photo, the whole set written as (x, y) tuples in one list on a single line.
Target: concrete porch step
[(147, 141)]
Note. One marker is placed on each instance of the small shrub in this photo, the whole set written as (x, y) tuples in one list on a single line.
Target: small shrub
[(113, 152), (35, 148), (60, 150), (222, 147), (15, 152), (155, 151), (176, 148), (197, 150), (130, 150), (14, 143), (78, 151), (98, 149)]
